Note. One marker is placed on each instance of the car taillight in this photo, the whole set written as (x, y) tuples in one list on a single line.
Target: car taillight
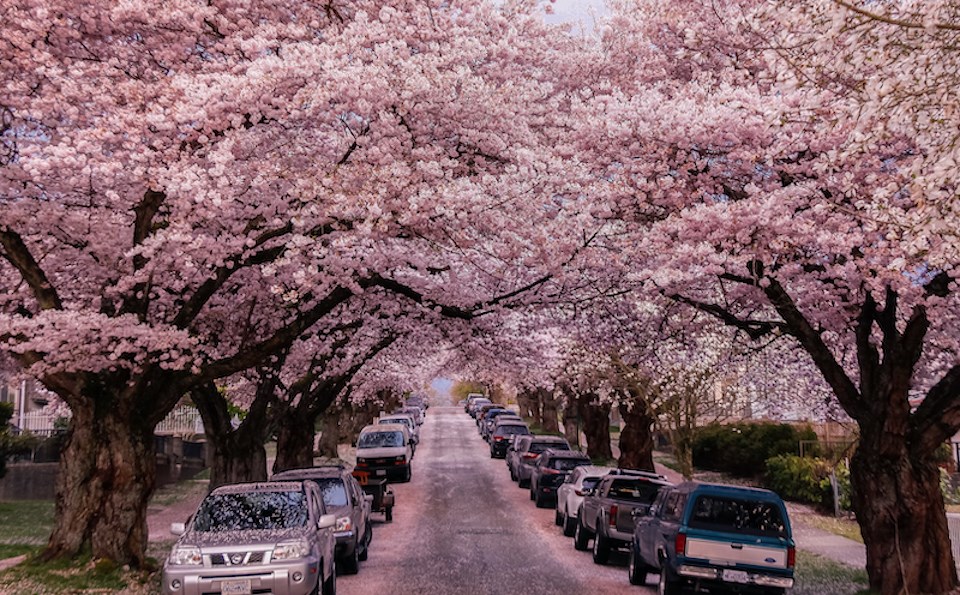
[(680, 545), (791, 557), (498, 438), (530, 455), (549, 471), (613, 515)]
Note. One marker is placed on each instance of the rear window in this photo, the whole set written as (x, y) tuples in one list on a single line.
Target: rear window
[(508, 430), (590, 482), (252, 511), (568, 464), (542, 446), (380, 440), (634, 490), (753, 517)]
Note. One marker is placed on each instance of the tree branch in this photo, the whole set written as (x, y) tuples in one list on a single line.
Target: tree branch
[(15, 251)]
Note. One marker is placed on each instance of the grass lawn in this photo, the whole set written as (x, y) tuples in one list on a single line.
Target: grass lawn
[(817, 575), (75, 576), (842, 527), (25, 522)]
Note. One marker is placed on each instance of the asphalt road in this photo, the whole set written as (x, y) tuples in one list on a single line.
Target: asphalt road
[(461, 526)]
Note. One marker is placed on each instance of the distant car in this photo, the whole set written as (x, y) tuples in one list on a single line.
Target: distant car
[(502, 433), (385, 450), (527, 457), (407, 420), (254, 538), (609, 511), (548, 474), (343, 497), (482, 410), (415, 412), (570, 494), (473, 406), (488, 419), (417, 401), (717, 537)]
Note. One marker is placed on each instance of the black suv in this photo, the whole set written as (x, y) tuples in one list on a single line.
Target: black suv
[(551, 469), (502, 434), (527, 452), (344, 497)]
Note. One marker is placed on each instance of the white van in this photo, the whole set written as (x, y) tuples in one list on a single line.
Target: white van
[(385, 450)]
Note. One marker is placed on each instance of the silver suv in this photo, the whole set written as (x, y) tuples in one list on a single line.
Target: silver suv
[(254, 538)]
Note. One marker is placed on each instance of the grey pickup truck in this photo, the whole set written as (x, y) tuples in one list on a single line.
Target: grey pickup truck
[(713, 537), (607, 513)]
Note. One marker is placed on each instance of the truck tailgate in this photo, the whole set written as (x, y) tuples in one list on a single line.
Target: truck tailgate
[(727, 553)]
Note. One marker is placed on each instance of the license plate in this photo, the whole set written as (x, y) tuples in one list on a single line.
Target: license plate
[(381, 472), (736, 576), (235, 587)]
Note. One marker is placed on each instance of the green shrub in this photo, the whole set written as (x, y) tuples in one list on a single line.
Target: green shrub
[(798, 478), (742, 449)]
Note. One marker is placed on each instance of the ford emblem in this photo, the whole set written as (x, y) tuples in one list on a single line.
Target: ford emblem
[(769, 560)]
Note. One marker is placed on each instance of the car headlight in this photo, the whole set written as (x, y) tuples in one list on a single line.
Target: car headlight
[(186, 556), (291, 550), (344, 524)]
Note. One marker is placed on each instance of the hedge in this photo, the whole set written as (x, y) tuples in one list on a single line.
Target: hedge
[(742, 449)]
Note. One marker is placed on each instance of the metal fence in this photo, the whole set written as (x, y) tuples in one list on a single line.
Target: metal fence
[(182, 421)]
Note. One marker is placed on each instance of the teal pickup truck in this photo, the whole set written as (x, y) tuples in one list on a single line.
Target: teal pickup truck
[(715, 538)]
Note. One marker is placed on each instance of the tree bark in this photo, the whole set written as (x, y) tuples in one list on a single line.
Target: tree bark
[(327, 446), (549, 408), (295, 436), (530, 407), (571, 422), (107, 473), (636, 436), (595, 422)]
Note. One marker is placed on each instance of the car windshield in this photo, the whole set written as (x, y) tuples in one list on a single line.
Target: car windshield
[(396, 420), (634, 490), (542, 446), (754, 517), (568, 464), (380, 439), (252, 511), (333, 490)]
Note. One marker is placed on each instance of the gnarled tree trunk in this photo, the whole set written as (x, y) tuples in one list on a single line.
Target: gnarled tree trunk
[(636, 436), (107, 473), (295, 436), (595, 418), (571, 422), (327, 445), (549, 408)]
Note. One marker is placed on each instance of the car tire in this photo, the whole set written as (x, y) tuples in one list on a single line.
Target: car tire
[(539, 500), (636, 569), (367, 538), (513, 476), (351, 563), (667, 585), (581, 537), (389, 514), (557, 519), (601, 546), (408, 474), (522, 483), (533, 493), (569, 525), (329, 586)]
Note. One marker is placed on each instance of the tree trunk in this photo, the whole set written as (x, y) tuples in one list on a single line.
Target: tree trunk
[(571, 423), (901, 514), (549, 411), (238, 457), (636, 436), (295, 435), (530, 407), (327, 446), (595, 418), (107, 473)]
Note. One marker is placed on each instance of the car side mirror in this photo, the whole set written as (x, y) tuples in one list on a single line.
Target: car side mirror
[(178, 528), (326, 521)]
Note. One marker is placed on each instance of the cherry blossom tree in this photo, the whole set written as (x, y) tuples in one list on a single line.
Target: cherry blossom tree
[(188, 187)]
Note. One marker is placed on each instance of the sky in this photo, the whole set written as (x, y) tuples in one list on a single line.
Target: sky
[(584, 11)]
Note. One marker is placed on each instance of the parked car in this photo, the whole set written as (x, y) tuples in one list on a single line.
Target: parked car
[(502, 434), (343, 497), (476, 404), (551, 469), (417, 401), (528, 451), (482, 410), (415, 412), (486, 423), (469, 401), (607, 511), (385, 450), (570, 494), (712, 536), (271, 537)]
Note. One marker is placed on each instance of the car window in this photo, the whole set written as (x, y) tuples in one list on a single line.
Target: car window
[(252, 510), (510, 430), (568, 464), (380, 439), (590, 482), (634, 490), (672, 508), (542, 446), (737, 515), (333, 491)]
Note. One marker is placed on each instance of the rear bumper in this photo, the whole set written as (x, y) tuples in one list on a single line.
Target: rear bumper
[(735, 579)]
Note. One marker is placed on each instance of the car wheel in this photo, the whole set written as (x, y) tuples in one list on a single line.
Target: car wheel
[(601, 546), (368, 537), (523, 483), (389, 514), (533, 492), (569, 525), (557, 519), (636, 569), (581, 538), (667, 585), (539, 499), (330, 585), (408, 474), (513, 476), (351, 562)]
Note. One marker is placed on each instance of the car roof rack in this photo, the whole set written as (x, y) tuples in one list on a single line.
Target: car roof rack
[(637, 473)]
